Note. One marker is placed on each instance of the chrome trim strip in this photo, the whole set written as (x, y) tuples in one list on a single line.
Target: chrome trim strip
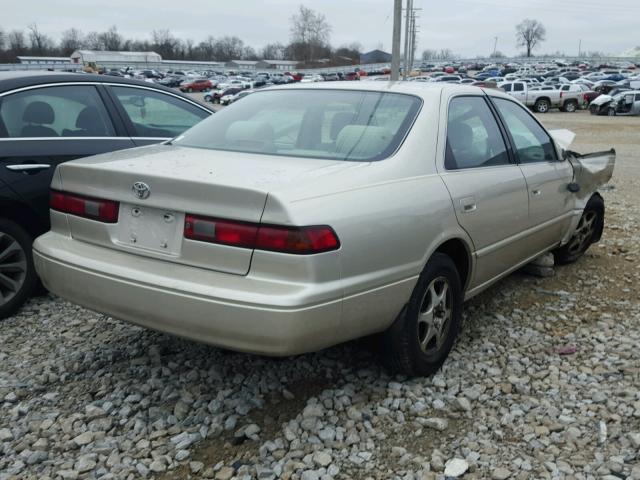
[(67, 84), (27, 166), (21, 139)]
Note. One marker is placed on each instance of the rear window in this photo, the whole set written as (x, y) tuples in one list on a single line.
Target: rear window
[(331, 124)]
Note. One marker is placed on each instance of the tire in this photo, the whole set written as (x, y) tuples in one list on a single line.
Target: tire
[(18, 277), (593, 109), (571, 106), (414, 345), (588, 231), (611, 112), (542, 106), (189, 90)]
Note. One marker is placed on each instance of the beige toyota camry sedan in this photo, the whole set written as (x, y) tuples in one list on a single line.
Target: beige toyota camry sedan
[(304, 216)]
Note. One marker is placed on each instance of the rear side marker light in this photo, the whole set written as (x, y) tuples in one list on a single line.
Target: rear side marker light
[(275, 238), (105, 211)]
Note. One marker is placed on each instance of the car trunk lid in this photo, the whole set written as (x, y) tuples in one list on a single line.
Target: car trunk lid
[(157, 186)]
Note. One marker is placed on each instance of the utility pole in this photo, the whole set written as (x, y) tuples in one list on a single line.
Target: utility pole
[(395, 43), (407, 37), (495, 46), (412, 55), (579, 48)]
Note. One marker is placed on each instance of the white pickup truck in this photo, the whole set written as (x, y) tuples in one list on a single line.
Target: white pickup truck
[(542, 101)]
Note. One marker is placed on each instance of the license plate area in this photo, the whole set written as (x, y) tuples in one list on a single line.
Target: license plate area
[(153, 229)]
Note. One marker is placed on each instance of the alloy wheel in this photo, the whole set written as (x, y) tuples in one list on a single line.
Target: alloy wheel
[(584, 233), (435, 315), (13, 267)]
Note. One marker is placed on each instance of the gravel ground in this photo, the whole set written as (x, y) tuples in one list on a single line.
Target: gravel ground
[(542, 384)]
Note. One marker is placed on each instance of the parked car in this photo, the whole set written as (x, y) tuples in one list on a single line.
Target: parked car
[(600, 105), (543, 100), (257, 231), (215, 96), (47, 118), (196, 85), (234, 97), (625, 104), (587, 94)]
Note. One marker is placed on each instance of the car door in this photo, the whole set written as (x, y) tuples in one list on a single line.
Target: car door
[(519, 91), (547, 176), (487, 188), (43, 126), (153, 116)]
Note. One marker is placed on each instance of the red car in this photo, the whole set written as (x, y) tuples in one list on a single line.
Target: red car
[(197, 85)]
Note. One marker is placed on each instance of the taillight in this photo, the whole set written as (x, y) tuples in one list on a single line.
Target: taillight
[(105, 211), (275, 238), (561, 93)]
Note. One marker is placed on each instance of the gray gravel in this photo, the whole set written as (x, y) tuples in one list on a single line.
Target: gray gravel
[(544, 383)]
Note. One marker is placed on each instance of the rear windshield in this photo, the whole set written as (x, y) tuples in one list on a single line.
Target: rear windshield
[(331, 124)]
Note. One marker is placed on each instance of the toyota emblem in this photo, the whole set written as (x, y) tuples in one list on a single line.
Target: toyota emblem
[(141, 190)]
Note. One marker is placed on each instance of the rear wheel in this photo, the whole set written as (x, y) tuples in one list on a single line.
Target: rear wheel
[(588, 230), (570, 106), (421, 337), (542, 106), (190, 90), (17, 274)]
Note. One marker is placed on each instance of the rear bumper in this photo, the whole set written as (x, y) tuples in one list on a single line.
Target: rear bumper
[(232, 311)]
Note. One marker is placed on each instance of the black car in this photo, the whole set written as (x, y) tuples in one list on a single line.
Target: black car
[(47, 118)]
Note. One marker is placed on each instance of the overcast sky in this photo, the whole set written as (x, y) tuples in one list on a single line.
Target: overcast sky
[(467, 27)]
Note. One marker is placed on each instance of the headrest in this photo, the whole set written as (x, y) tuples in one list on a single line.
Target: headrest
[(38, 112), (460, 134), (339, 121), (250, 135), (362, 141), (88, 119)]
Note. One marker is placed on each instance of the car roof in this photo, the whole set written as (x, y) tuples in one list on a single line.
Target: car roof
[(18, 79), (425, 90)]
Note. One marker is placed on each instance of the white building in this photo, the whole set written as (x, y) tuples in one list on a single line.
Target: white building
[(98, 58)]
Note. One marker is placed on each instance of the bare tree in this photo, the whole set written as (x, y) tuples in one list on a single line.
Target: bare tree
[(273, 51), (71, 41), (2, 40), (310, 32), (40, 42), (428, 54), (529, 33), (164, 43), (228, 48), (111, 40), (92, 41), (16, 42)]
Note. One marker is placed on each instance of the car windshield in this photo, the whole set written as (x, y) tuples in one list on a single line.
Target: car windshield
[(328, 124)]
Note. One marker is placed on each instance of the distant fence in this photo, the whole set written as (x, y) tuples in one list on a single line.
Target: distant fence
[(64, 67)]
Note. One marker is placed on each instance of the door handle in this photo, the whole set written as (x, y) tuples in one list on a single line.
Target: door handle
[(28, 167), (468, 204), (536, 192)]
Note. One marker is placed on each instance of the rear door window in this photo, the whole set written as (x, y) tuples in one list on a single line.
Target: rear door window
[(49, 112), (473, 137), (155, 114)]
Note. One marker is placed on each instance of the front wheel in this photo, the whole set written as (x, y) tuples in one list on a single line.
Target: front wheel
[(18, 278), (611, 112), (420, 339), (587, 232), (542, 106), (571, 106)]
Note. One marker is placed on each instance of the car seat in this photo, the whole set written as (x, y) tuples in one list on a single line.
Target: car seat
[(88, 123), (362, 142), (460, 143), (36, 115)]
